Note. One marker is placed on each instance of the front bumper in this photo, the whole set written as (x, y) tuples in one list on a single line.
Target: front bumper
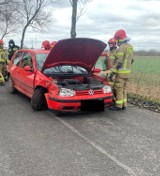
[(75, 104)]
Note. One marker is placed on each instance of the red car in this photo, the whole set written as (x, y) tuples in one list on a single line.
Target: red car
[(62, 79)]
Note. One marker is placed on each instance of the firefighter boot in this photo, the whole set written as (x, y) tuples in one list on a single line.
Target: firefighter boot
[(114, 108)]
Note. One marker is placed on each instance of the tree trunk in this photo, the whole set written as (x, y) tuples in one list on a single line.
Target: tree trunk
[(23, 35), (74, 18)]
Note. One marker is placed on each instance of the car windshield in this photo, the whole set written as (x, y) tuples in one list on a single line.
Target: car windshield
[(40, 59), (101, 63), (66, 69)]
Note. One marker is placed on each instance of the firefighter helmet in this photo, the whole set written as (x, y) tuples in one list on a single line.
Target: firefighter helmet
[(120, 35), (46, 45), (53, 44), (112, 42), (1, 42)]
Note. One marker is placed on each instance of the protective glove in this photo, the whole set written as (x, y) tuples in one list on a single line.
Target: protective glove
[(119, 65), (111, 76)]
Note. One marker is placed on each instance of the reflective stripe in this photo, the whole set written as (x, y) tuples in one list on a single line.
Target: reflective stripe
[(111, 83), (120, 54), (111, 57), (125, 100), (1, 79), (119, 101), (121, 71), (124, 71), (125, 61), (113, 70), (129, 51), (1, 60)]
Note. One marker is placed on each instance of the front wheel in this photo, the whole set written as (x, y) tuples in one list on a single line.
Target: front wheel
[(11, 87), (38, 101)]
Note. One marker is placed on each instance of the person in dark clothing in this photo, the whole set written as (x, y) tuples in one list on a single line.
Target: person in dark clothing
[(12, 48)]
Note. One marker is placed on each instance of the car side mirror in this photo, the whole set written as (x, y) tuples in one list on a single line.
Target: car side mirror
[(96, 70), (27, 68)]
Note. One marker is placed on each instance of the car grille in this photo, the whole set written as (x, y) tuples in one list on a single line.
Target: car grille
[(86, 92)]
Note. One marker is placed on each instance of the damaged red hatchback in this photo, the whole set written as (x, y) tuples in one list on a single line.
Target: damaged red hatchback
[(62, 79)]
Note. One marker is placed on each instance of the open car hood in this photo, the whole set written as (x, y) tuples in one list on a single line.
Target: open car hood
[(82, 52)]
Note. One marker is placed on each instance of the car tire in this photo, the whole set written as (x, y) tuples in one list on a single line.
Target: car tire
[(11, 87), (38, 101)]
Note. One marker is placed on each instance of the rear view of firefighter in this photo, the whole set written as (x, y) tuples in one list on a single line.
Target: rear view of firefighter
[(3, 63), (46, 45), (122, 69), (111, 59)]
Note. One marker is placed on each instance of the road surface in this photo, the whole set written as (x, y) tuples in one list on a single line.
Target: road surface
[(107, 143)]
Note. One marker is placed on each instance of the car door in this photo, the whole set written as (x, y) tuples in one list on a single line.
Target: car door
[(15, 68), (26, 77)]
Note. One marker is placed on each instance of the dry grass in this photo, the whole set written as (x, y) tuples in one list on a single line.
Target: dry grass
[(150, 92)]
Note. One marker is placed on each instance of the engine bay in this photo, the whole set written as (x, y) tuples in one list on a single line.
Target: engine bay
[(80, 83)]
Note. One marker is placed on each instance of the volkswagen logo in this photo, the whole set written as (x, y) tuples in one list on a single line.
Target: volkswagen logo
[(91, 92)]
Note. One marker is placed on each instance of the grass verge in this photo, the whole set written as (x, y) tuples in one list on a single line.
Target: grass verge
[(144, 102)]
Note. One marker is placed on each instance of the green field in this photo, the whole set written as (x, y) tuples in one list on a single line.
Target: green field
[(146, 70), (147, 64)]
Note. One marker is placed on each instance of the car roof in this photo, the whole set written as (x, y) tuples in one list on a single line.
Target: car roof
[(36, 51)]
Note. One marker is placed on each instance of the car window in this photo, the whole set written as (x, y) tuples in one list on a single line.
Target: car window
[(66, 69), (27, 60), (101, 63), (17, 58), (40, 59)]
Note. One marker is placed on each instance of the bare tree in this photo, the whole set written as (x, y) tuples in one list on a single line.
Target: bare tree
[(34, 14), (4, 2), (76, 16), (8, 16)]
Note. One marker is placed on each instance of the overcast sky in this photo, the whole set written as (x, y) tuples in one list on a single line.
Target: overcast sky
[(140, 19)]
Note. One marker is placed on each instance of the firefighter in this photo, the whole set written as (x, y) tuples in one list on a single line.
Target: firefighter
[(111, 59), (121, 69), (12, 47), (46, 45), (3, 63)]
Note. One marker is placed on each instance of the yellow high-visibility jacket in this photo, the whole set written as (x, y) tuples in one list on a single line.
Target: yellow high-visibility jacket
[(3, 55), (112, 58), (124, 59)]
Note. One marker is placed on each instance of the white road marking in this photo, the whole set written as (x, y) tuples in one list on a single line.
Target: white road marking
[(100, 149)]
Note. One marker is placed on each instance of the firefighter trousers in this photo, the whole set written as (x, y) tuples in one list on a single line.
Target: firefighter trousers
[(120, 87)]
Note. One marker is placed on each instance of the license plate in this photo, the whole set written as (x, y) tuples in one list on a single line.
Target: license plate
[(92, 105)]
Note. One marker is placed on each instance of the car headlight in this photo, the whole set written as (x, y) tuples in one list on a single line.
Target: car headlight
[(66, 92), (107, 89)]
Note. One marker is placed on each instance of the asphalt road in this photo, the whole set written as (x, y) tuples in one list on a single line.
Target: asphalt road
[(94, 144)]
